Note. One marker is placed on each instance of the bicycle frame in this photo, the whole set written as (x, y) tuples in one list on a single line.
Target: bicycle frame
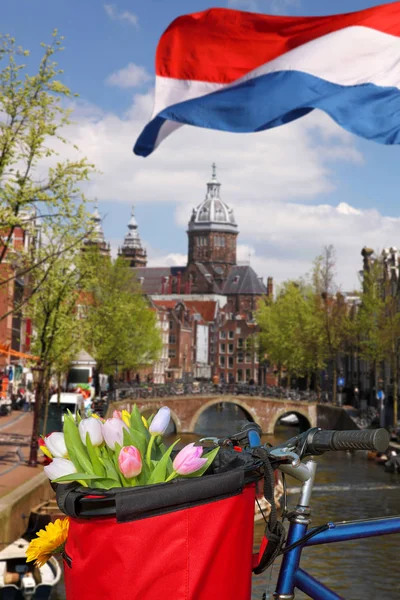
[(291, 576)]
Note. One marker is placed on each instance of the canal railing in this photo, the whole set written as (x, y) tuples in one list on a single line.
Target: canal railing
[(141, 392)]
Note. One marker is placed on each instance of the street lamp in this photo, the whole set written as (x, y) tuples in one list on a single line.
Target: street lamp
[(37, 374)]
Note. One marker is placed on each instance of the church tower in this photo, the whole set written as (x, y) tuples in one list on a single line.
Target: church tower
[(213, 230), (97, 239), (131, 249)]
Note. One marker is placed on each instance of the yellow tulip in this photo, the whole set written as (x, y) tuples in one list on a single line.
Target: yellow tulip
[(126, 417)]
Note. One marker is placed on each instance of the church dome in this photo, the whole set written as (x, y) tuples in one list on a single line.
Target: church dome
[(213, 214)]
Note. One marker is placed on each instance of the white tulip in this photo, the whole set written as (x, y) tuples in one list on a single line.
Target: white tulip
[(59, 467), (93, 427), (55, 442)]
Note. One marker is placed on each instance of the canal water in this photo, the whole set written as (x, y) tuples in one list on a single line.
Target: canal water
[(347, 487)]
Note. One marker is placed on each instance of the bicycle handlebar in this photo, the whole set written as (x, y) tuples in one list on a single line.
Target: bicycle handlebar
[(323, 441)]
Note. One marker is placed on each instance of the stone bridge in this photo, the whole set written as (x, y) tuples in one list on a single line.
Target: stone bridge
[(186, 410)]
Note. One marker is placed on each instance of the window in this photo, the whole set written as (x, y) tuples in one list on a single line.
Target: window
[(222, 335), (248, 374), (172, 353), (240, 375), (172, 339), (222, 348), (231, 335), (240, 357), (230, 362), (222, 361), (240, 343), (248, 358), (230, 348), (171, 324), (212, 349)]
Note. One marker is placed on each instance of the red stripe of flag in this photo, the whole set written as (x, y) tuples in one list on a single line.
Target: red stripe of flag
[(220, 45)]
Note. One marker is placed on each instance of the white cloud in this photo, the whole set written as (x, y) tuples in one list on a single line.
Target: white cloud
[(130, 76), (267, 6), (173, 259), (125, 15), (274, 180)]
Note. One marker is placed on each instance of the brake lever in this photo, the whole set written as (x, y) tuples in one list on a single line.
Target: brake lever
[(284, 453)]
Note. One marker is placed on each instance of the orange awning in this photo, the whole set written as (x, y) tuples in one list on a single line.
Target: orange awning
[(7, 350)]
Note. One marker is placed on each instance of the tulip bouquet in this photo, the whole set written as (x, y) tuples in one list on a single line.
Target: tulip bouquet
[(124, 451)]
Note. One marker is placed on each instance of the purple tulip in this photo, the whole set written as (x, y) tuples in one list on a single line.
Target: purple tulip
[(160, 422), (113, 432), (188, 460), (130, 461)]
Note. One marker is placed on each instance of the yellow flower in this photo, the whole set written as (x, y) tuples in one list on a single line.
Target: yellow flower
[(126, 417), (49, 541), (145, 423)]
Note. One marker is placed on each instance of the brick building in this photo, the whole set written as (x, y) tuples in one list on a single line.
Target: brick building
[(15, 329), (211, 300)]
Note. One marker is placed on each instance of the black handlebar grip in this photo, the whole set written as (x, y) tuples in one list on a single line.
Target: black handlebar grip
[(368, 439)]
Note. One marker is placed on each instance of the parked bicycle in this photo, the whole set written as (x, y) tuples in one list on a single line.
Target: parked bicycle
[(296, 458)]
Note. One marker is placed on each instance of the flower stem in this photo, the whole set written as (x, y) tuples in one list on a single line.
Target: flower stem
[(149, 449), (172, 476)]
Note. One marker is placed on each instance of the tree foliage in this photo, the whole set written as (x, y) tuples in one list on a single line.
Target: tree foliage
[(121, 330), (36, 189)]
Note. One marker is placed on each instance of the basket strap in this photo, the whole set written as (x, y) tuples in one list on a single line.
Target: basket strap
[(140, 503), (68, 498), (274, 535)]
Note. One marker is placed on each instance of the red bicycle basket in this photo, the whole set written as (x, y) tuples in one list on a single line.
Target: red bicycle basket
[(188, 539)]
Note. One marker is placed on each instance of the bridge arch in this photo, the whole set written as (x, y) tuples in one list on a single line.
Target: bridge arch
[(250, 412), (302, 415), (153, 407)]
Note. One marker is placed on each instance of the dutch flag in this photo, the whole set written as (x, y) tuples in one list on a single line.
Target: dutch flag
[(244, 72)]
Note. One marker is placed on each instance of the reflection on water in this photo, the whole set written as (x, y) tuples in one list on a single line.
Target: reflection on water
[(348, 486)]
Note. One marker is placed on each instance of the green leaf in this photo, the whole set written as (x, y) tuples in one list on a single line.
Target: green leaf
[(97, 466), (160, 472), (210, 457), (137, 439), (76, 448), (76, 476), (137, 424), (112, 472)]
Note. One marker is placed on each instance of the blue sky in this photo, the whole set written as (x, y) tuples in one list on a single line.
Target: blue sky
[(109, 60)]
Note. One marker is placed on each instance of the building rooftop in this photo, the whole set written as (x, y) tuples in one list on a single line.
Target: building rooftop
[(213, 214)]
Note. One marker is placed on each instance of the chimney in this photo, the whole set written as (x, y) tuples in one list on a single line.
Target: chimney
[(270, 286), (190, 285)]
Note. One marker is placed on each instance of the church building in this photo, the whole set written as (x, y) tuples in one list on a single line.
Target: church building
[(211, 291)]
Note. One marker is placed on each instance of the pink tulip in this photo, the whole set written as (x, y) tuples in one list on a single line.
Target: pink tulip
[(130, 461), (117, 414), (188, 460), (113, 432)]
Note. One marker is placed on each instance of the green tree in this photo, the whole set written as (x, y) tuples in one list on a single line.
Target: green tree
[(332, 310), (36, 189), (370, 319), (121, 328), (289, 333), (54, 308)]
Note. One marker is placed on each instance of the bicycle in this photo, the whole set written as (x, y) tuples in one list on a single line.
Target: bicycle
[(288, 458)]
